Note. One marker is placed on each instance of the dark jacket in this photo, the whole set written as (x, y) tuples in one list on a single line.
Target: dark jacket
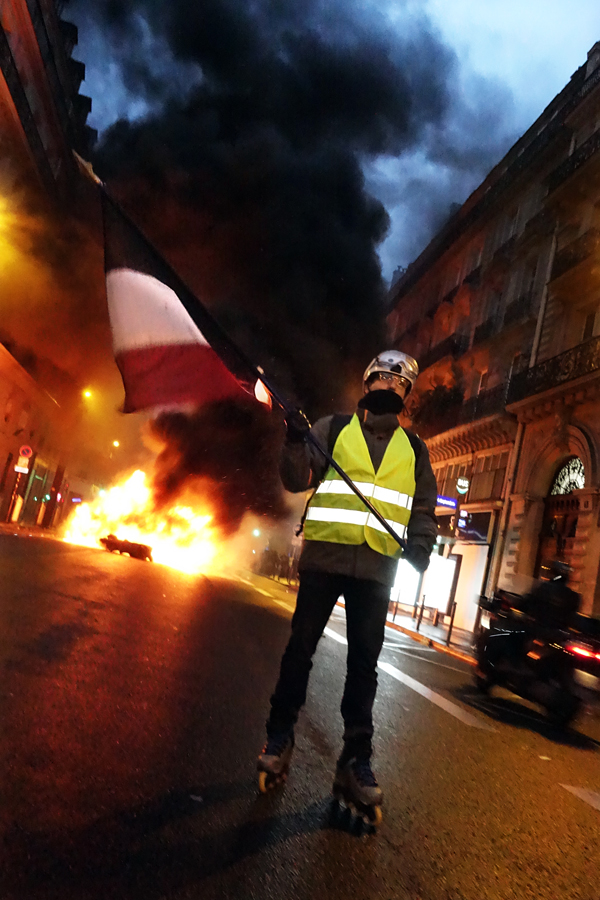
[(553, 604), (303, 467)]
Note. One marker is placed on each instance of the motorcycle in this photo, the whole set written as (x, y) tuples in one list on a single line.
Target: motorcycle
[(557, 668)]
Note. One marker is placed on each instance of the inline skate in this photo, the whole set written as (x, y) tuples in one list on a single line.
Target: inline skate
[(355, 785), (274, 761)]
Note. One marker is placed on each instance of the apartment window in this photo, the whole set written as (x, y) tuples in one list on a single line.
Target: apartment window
[(528, 279), (589, 324)]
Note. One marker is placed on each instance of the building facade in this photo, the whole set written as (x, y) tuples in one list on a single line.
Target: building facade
[(42, 120), (502, 312)]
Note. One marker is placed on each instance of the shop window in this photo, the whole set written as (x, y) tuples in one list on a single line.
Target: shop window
[(458, 470)]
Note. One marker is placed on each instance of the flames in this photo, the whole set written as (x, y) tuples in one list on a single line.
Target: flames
[(180, 537)]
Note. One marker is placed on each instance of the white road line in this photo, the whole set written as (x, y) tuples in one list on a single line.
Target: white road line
[(434, 698), (281, 603), (432, 662), (336, 637), (410, 645), (425, 692), (260, 591), (588, 796)]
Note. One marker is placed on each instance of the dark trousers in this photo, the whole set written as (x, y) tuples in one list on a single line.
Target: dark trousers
[(366, 611)]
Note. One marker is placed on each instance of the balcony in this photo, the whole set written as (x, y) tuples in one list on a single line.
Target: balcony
[(485, 331), (487, 403), (473, 278), (455, 345), (575, 252), (449, 295), (518, 311), (573, 162), (581, 360), (503, 255), (440, 413)]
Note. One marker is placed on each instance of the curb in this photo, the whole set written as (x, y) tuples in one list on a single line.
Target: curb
[(429, 642), (437, 645)]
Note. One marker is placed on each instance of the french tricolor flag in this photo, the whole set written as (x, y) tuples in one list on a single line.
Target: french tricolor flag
[(164, 358)]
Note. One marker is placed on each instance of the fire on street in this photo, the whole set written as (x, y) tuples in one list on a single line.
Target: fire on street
[(133, 702)]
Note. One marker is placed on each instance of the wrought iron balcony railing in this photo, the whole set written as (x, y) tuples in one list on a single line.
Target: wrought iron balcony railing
[(573, 162), (575, 252), (581, 360), (487, 403), (455, 345)]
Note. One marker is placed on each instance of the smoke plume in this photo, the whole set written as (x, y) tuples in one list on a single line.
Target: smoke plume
[(227, 453), (249, 177)]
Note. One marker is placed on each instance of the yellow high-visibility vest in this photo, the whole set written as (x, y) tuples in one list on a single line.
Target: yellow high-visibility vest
[(336, 514)]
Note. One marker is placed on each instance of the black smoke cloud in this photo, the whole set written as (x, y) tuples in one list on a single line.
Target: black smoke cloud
[(226, 452), (251, 182)]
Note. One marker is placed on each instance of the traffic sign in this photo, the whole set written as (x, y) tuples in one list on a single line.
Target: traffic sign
[(26, 451)]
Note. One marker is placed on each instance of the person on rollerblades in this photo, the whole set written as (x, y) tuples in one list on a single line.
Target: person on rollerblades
[(347, 552)]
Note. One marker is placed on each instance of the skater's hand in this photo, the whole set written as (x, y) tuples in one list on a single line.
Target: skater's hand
[(417, 556), (297, 427)]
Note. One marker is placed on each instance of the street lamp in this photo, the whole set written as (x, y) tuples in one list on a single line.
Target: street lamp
[(116, 444)]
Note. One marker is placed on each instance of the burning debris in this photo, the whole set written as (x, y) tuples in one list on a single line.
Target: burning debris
[(181, 536), (226, 452), (215, 466), (137, 551)]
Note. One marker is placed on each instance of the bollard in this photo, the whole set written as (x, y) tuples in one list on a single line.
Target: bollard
[(436, 616), (451, 623), (421, 612)]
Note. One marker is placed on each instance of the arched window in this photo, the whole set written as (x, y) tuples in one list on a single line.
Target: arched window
[(570, 477)]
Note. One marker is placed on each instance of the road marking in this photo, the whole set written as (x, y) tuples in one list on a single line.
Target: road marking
[(587, 796), (260, 591), (425, 692), (281, 603), (432, 662), (336, 637), (434, 698)]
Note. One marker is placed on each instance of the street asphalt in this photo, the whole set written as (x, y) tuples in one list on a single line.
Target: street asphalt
[(132, 704)]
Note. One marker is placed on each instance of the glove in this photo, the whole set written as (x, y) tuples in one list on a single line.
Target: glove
[(297, 427), (417, 556)]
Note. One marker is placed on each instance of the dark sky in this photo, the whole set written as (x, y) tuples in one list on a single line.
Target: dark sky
[(259, 147)]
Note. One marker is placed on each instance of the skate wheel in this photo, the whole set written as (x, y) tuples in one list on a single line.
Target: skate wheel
[(376, 818), (263, 785)]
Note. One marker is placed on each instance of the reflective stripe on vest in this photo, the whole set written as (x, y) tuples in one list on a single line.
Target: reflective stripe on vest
[(336, 514)]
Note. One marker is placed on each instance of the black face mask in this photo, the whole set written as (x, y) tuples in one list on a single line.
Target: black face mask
[(381, 402)]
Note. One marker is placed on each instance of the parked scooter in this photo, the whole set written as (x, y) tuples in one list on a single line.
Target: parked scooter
[(556, 667)]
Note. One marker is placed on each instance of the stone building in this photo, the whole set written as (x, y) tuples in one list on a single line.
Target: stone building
[(42, 119), (501, 310)]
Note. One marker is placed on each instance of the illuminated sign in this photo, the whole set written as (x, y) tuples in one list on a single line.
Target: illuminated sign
[(449, 502), (462, 485), (22, 469)]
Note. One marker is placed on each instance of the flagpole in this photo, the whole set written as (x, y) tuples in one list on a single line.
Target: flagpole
[(184, 294)]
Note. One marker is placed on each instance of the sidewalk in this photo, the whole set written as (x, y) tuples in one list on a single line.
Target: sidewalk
[(461, 642)]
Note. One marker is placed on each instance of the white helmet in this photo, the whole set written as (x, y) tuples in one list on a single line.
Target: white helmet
[(396, 363)]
